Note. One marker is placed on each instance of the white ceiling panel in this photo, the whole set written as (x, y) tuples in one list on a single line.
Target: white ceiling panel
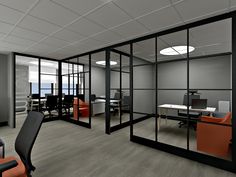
[(5, 28), (80, 6), (21, 5), (68, 35), (232, 3), (130, 29), (85, 27), (9, 15), (15, 47), (91, 43), (41, 48), (192, 9), (107, 37), (19, 41), (38, 25), (53, 13), (27, 34), (109, 16), (161, 19), (52, 41), (137, 8)]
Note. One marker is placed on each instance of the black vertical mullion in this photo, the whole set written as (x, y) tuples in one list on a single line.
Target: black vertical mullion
[(188, 117), (233, 90), (120, 89), (52, 88), (68, 78), (156, 92), (90, 91), (60, 88), (107, 108), (39, 80), (131, 90), (14, 90), (73, 75)]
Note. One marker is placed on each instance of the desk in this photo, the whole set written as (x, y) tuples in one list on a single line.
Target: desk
[(101, 109), (163, 110)]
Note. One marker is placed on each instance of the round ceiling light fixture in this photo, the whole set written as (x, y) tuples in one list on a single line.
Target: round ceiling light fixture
[(104, 62), (177, 50)]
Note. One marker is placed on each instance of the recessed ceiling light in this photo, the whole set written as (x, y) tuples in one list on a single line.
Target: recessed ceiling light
[(176, 50), (104, 62), (42, 63)]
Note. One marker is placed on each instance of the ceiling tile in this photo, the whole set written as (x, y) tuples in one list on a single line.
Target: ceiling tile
[(13, 47), (53, 13), (5, 28), (161, 19), (69, 36), (27, 34), (21, 5), (52, 41), (130, 29), (137, 8), (107, 37), (41, 48), (19, 41), (232, 3), (91, 43), (9, 15), (109, 16), (81, 7), (38, 25), (85, 27), (192, 9)]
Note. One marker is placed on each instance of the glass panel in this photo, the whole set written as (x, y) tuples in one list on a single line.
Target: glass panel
[(210, 77), (27, 84), (172, 89), (144, 93)]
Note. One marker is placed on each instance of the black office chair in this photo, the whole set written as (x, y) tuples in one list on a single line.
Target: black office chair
[(191, 114), (12, 166), (125, 104), (115, 106), (51, 105), (68, 103)]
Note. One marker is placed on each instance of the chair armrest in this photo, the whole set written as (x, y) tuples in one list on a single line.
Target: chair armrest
[(211, 119), (8, 165)]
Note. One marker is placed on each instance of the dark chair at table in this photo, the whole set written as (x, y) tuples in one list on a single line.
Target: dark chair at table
[(67, 103), (12, 166), (51, 105)]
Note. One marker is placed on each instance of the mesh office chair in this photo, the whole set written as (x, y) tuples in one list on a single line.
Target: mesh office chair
[(11, 166)]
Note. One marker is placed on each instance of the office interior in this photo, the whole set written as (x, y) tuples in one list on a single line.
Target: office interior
[(100, 94), (172, 90)]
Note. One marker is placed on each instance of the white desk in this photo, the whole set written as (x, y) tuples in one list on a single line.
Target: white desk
[(163, 110), (98, 106)]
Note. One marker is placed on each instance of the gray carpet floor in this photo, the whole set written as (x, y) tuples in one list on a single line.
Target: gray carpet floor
[(66, 150)]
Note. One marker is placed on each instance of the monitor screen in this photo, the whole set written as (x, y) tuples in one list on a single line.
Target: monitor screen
[(199, 103)]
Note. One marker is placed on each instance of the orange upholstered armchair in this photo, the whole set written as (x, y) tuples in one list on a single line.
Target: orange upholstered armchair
[(80, 107), (212, 138)]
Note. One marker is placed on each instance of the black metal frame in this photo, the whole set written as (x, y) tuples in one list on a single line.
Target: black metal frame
[(39, 58)]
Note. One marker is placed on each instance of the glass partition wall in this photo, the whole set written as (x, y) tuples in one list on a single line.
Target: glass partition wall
[(75, 92), (37, 85), (183, 85)]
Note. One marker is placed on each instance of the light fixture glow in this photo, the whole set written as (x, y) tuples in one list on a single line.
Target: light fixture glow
[(42, 63), (176, 50), (104, 62)]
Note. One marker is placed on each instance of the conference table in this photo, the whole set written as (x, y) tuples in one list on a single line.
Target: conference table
[(164, 108)]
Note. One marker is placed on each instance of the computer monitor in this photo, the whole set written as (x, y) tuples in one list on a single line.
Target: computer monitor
[(199, 103), (93, 97), (191, 97)]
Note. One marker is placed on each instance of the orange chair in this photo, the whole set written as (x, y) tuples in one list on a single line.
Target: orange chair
[(212, 138), (14, 167), (83, 108)]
